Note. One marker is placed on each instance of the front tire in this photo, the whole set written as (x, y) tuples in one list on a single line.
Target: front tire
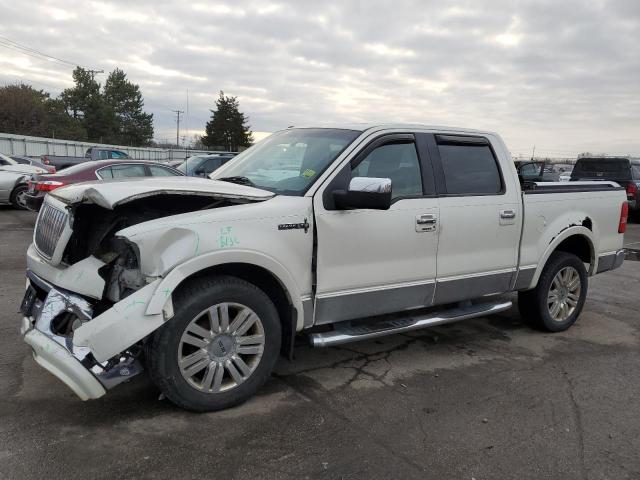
[(18, 197), (556, 302), (219, 348)]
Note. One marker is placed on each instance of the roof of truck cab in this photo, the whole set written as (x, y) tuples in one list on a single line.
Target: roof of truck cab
[(361, 127)]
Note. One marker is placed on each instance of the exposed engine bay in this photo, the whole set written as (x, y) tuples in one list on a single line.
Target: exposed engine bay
[(94, 234)]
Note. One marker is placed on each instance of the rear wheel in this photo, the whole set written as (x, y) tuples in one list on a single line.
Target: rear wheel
[(219, 348), (556, 302), (19, 197)]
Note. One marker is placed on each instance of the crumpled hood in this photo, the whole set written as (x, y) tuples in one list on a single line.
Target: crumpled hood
[(111, 193)]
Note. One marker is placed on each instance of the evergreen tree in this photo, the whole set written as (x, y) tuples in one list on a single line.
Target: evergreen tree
[(228, 126), (112, 114), (133, 125), (79, 99), (61, 125)]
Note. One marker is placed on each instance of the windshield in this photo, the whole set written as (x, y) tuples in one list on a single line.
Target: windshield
[(189, 165), (7, 160), (289, 161)]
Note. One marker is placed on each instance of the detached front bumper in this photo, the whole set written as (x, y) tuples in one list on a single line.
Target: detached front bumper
[(57, 360), (45, 305)]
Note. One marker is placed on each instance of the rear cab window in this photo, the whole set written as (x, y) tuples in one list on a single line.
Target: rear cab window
[(469, 165), (117, 154)]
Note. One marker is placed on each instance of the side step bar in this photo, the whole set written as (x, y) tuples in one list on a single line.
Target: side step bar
[(365, 331)]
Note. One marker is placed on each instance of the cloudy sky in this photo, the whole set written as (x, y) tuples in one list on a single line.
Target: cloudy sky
[(561, 75)]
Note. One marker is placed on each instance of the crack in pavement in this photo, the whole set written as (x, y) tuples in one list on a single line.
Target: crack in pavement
[(309, 395), (577, 413)]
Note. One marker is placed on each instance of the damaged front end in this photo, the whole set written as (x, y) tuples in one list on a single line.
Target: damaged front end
[(84, 282), (51, 315)]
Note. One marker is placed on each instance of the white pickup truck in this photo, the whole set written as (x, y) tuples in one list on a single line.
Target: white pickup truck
[(338, 233)]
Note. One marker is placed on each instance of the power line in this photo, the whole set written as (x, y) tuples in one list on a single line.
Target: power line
[(32, 52)]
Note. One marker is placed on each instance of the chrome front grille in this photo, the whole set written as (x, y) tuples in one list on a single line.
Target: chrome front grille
[(51, 222)]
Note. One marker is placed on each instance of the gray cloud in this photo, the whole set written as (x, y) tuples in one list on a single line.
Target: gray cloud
[(561, 75)]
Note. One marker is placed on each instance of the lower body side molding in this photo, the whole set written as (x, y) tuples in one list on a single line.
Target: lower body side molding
[(405, 323)]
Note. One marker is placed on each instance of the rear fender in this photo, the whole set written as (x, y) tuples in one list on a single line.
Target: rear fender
[(557, 240)]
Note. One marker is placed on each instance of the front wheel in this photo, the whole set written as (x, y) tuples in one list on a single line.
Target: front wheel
[(556, 302), (219, 348)]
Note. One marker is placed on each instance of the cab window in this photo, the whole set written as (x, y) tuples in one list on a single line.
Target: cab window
[(396, 161), (470, 169)]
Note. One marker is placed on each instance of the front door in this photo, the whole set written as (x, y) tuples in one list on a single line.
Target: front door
[(371, 262)]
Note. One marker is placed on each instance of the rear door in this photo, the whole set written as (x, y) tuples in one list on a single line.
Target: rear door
[(480, 217), (371, 262)]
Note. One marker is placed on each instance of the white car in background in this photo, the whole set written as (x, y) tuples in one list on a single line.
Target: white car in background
[(10, 165), (13, 188), (13, 181)]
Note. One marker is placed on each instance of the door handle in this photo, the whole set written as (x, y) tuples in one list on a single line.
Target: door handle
[(508, 214), (426, 222)]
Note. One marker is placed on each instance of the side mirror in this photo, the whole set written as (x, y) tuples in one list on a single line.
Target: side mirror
[(365, 192), (199, 172)]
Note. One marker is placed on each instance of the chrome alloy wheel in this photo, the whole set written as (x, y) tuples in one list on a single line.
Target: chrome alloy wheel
[(221, 347), (564, 294)]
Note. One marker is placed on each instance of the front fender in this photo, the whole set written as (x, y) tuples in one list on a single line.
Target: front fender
[(220, 257)]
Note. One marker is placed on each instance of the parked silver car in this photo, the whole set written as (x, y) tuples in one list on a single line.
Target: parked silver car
[(13, 188)]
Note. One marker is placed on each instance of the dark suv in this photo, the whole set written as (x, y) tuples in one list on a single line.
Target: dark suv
[(622, 170), (203, 165)]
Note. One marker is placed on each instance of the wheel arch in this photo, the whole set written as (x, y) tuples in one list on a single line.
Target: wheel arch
[(256, 268), (20, 182), (577, 240)]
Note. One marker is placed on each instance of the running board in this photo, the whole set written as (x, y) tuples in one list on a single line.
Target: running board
[(405, 324)]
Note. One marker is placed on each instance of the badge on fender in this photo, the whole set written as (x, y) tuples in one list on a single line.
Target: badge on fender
[(295, 226)]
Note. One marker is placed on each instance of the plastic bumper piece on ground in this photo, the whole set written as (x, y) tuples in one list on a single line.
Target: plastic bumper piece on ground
[(58, 360)]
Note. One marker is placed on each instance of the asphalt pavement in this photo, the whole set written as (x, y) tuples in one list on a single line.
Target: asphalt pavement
[(485, 399)]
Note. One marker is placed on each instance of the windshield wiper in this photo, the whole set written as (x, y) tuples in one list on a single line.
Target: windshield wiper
[(239, 180)]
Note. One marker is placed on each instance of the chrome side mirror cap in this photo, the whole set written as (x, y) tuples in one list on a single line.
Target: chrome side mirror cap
[(365, 192), (370, 184)]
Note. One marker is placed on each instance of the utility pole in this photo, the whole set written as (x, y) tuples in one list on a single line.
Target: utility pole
[(93, 73), (177, 112), (533, 154)]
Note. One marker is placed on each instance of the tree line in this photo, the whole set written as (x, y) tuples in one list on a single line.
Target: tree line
[(111, 113), (88, 111)]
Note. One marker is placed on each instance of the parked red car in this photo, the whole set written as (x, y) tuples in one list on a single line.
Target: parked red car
[(40, 185)]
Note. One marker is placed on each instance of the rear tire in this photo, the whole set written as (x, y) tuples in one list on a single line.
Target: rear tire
[(556, 302), (219, 348), (18, 199)]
